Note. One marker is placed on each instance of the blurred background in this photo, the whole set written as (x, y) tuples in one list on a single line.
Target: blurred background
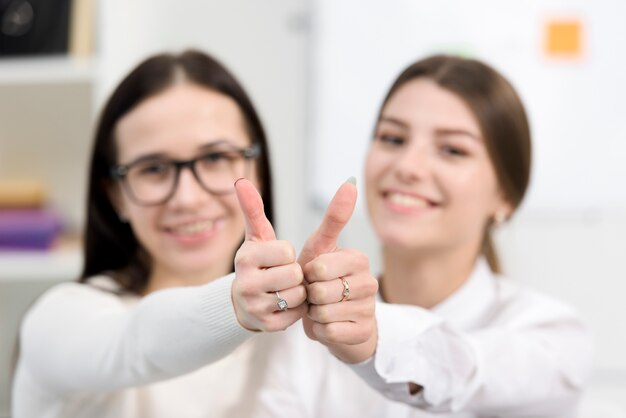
[(317, 71)]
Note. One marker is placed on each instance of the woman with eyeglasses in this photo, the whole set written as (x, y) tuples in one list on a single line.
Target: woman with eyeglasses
[(181, 266), (449, 162)]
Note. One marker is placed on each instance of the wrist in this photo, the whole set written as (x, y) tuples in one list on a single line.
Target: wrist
[(358, 353)]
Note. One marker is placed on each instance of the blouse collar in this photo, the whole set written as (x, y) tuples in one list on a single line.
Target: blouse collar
[(472, 302)]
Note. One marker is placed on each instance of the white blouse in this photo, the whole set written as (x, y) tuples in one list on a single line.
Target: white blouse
[(490, 349)]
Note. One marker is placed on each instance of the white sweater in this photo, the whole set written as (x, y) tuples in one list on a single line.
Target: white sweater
[(90, 350)]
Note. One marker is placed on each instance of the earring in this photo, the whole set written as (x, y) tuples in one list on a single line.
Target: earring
[(499, 218)]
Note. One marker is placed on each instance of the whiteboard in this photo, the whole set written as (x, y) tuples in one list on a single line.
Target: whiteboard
[(576, 106)]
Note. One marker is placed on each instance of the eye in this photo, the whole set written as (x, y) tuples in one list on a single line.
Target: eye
[(156, 168), (392, 140), (217, 157), (453, 151)]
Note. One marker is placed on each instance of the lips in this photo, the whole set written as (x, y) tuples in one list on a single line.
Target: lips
[(406, 202)]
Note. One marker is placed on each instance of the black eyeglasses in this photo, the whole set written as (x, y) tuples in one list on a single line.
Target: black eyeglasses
[(154, 181)]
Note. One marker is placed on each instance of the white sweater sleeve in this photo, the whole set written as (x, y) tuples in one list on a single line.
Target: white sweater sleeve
[(80, 338), (530, 362)]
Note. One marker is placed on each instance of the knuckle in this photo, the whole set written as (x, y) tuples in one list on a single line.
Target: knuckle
[(280, 323), (315, 270), (332, 333), (255, 309), (363, 261), (370, 286), (309, 331), (267, 323), (375, 285), (316, 293), (298, 275), (367, 310), (312, 314), (319, 269), (322, 314), (243, 258), (371, 307), (362, 333), (301, 293), (288, 251), (245, 288)]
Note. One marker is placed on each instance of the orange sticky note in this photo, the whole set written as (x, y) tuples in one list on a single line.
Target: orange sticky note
[(564, 38)]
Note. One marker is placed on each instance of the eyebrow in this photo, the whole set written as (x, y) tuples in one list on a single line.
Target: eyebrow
[(394, 121), (214, 144), (165, 156), (438, 131), (453, 131)]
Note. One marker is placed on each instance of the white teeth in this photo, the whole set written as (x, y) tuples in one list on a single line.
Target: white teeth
[(408, 201), (194, 228)]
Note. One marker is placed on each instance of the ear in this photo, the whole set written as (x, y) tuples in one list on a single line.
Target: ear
[(503, 212)]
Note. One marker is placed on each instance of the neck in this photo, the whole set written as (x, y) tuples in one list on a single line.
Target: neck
[(164, 278), (426, 278)]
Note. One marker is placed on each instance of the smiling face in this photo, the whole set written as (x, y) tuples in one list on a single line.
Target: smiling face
[(194, 233), (430, 183)]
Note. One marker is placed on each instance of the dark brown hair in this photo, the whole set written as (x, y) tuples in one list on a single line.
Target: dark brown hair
[(500, 114), (110, 245)]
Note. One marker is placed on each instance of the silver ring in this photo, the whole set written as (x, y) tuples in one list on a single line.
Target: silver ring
[(281, 303), (345, 294)]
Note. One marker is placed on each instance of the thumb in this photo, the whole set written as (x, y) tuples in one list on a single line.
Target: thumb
[(337, 215), (258, 227)]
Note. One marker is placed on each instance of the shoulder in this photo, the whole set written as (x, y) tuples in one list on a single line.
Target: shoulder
[(524, 305), (98, 291)]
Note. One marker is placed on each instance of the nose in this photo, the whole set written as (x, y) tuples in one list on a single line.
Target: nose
[(414, 164), (189, 192)]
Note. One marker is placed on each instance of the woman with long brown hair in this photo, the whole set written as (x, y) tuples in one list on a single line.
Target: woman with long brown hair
[(449, 162), (182, 266)]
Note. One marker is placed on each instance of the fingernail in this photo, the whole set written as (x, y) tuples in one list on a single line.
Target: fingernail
[(352, 180), (240, 178)]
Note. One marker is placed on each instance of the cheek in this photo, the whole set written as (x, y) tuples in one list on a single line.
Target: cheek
[(474, 192), (144, 222)]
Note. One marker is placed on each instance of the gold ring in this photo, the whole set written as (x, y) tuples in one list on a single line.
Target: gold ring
[(345, 294)]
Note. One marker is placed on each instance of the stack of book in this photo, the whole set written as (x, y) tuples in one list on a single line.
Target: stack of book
[(25, 223)]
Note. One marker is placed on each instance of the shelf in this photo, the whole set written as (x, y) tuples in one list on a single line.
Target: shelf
[(59, 264), (48, 69)]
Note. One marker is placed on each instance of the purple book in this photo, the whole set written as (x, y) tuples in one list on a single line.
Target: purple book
[(28, 229)]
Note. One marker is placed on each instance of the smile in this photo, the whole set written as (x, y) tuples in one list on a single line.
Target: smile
[(408, 201), (192, 228)]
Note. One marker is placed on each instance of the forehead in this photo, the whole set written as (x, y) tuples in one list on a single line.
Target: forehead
[(178, 120), (424, 103)]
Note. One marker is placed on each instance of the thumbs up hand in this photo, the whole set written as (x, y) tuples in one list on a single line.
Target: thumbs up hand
[(341, 291), (268, 292)]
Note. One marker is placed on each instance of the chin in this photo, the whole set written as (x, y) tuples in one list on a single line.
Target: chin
[(401, 240)]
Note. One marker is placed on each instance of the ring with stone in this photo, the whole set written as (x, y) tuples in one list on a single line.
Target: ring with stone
[(281, 303), (345, 294)]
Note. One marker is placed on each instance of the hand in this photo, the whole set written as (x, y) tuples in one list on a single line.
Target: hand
[(264, 266), (347, 327)]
